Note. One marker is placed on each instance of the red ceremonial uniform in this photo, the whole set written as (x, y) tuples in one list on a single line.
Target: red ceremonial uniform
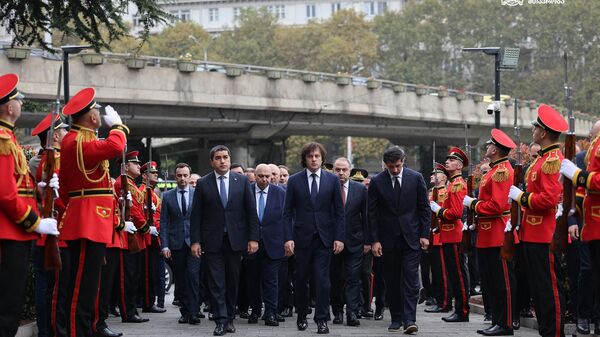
[(156, 216), (590, 181), (542, 196), (18, 207), (441, 197), (450, 214), (137, 209), (492, 207), (85, 184)]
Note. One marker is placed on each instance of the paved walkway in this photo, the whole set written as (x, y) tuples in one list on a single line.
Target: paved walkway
[(430, 325)]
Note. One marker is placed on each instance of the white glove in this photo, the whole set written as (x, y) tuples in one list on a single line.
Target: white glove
[(54, 181), (434, 206), (153, 208), (112, 117), (515, 193), (465, 227), (153, 231), (129, 197), (508, 227), (130, 227), (467, 201), (568, 169), (559, 211), (47, 226)]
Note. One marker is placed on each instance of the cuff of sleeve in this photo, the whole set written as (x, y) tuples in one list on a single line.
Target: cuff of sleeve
[(580, 178), (120, 226), (440, 214), (145, 229), (121, 128), (29, 221), (473, 205), (525, 199)]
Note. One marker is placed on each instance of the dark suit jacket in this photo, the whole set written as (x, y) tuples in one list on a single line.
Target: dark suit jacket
[(174, 227), (209, 217), (355, 213), (271, 227), (410, 217), (326, 216)]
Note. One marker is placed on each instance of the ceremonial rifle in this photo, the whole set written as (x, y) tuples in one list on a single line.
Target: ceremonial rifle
[(52, 260), (149, 200), (507, 252), (465, 244), (132, 240), (435, 222), (560, 238)]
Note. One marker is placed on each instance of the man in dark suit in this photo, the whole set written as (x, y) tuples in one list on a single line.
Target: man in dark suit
[(263, 266), (399, 219), (349, 262), (314, 228), (223, 224), (175, 242)]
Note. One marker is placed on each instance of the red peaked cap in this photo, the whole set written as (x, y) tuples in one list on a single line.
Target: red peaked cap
[(153, 167), (457, 153), (44, 124), (439, 168), (8, 88), (500, 139), (82, 102), (130, 157), (550, 119)]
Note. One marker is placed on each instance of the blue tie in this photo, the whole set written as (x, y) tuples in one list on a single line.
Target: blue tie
[(223, 191), (313, 188), (261, 205)]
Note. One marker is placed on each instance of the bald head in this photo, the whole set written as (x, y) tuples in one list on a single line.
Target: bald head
[(595, 131), (263, 176)]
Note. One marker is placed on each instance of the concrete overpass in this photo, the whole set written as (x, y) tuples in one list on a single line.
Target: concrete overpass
[(223, 102)]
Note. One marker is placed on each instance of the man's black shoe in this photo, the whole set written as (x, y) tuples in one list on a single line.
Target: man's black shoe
[(229, 327), (177, 303), (516, 324), (279, 318), (271, 321), (422, 296), (322, 327), (455, 318), (430, 301), (244, 314), (253, 319), (597, 327), (211, 317), (394, 327), (301, 323), (115, 312), (433, 308), (487, 318), (154, 309), (583, 326), (497, 330), (200, 315), (107, 332), (352, 320), (136, 319), (378, 314), (193, 320), (480, 331), (410, 328), (338, 318), (219, 330), (183, 319), (367, 313), (287, 312)]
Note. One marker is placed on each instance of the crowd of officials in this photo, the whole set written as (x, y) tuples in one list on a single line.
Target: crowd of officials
[(266, 244)]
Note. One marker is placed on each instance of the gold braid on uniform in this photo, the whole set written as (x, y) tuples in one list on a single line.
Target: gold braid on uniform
[(589, 151), (87, 135), (552, 164), (501, 173), (8, 147)]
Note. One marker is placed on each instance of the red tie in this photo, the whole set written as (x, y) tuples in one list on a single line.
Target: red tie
[(343, 195)]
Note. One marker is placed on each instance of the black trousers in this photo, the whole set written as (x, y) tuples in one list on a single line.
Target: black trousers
[(243, 302), (109, 273), (500, 281), (487, 274), (458, 276), (223, 281), (425, 269), (86, 263), (313, 260), (366, 281), (128, 283), (57, 296), (589, 281), (263, 281), (440, 285), (187, 269), (345, 281), (14, 264), (150, 274), (285, 297), (544, 273), (379, 283), (523, 299)]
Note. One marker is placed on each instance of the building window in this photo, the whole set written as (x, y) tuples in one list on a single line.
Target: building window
[(370, 8), (236, 13), (311, 11), (174, 16), (381, 7), (277, 11), (213, 14), (185, 15), (136, 20), (336, 6)]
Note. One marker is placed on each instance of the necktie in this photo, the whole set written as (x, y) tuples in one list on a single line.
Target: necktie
[(261, 205), (223, 192), (313, 188), (397, 188), (183, 203), (343, 195)]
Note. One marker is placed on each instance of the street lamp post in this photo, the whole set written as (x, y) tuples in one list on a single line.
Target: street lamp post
[(71, 49), (504, 59)]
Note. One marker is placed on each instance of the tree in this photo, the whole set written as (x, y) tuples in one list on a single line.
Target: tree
[(28, 20), (180, 39)]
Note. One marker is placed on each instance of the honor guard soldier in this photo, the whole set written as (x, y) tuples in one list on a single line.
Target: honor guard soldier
[(493, 212), (49, 308), (87, 225), (152, 251), (19, 220), (451, 230), (539, 221), (130, 268), (588, 189), (441, 289)]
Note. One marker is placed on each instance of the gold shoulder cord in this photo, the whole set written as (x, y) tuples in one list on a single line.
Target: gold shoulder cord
[(88, 136), (590, 148)]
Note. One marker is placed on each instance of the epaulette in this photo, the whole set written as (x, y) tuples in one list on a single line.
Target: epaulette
[(7, 146), (501, 174), (456, 187), (552, 163), (590, 149)]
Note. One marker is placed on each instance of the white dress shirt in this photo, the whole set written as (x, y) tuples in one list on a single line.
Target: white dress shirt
[(399, 178)]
